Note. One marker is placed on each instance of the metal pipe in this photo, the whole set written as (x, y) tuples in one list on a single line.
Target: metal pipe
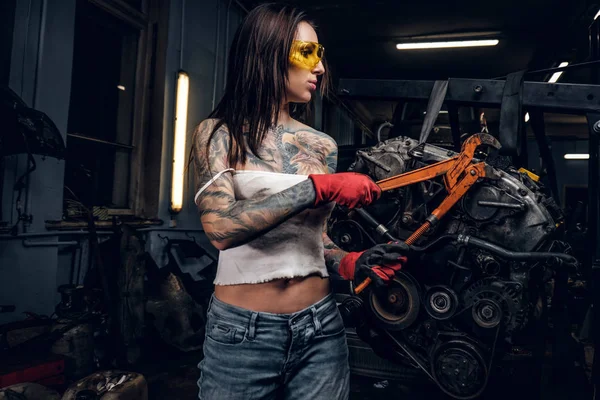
[(50, 234), (217, 41), (500, 205), (386, 124), (29, 243), (91, 139), (226, 47), (168, 230)]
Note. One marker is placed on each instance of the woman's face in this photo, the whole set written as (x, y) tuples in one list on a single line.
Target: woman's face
[(302, 82)]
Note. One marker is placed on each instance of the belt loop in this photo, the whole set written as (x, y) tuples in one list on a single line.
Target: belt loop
[(210, 302), (252, 326), (316, 321)]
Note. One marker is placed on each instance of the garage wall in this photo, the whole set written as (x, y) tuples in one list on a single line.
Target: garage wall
[(200, 33), (40, 72)]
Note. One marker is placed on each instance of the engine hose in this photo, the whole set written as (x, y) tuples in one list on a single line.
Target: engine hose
[(513, 255), (492, 248), (468, 241)]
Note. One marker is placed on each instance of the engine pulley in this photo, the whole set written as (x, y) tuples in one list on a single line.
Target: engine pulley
[(440, 302), (397, 306), (494, 301), (487, 313), (459, 369), (348, 235)]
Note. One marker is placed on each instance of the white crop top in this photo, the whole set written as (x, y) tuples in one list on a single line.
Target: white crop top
[(292, 249)]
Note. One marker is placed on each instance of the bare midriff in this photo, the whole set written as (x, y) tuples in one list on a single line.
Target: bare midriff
[(281, 296)]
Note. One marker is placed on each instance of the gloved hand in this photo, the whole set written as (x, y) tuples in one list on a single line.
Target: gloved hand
[(348, 189), (380, 263)]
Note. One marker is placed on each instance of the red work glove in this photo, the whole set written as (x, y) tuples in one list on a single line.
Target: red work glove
[(348, 189), (380, 263)]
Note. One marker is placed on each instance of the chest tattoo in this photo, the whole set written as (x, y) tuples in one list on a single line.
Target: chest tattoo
[(293, 152)]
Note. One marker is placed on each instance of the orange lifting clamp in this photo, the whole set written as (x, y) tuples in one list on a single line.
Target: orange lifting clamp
[(460, 173)]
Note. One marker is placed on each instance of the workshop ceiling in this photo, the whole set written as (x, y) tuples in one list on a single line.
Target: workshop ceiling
[(360, 36), (360, 39)]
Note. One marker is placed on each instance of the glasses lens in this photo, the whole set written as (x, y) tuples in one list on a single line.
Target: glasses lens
[(306, 54)]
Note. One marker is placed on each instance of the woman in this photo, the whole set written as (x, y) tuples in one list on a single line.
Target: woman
[(266, 185)]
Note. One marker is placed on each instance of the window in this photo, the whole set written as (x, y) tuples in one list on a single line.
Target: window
[(103, 108), (7, 22)]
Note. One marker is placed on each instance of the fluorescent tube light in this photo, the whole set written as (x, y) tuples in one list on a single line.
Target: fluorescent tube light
[(447, 45), (577, 156), (597, 15), (181, 110), (557, 75)]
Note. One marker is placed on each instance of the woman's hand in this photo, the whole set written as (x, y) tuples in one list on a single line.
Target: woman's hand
[(380, 263), (349, 189)]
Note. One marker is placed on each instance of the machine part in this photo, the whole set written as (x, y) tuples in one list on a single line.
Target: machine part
[(110, 385), (178, 319), (440, 302), (349, 235), (452, 168), (386, 124), (472, 207), (512, 255), (486, 313), (491, 299), (72, 301), (350, 310), (459, 176), (488, 264), (28, 391), (77, 346), (397, 306), (86, 395), (459, 369), (379, 228)]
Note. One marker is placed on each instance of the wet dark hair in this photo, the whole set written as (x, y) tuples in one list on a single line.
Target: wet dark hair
[(257, 73)]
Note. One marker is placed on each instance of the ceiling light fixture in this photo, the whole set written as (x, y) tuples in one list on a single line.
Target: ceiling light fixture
[(597, 15), (577, 156), (447, 45)]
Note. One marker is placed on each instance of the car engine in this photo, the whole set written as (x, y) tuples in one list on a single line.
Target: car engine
[(475, 287)]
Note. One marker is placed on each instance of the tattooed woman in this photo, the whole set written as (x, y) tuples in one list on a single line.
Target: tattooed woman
[(266, 185)]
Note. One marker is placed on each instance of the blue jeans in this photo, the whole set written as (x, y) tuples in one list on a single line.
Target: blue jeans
[(254, 355)]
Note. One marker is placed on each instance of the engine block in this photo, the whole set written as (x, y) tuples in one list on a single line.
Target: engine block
[(476, 284)]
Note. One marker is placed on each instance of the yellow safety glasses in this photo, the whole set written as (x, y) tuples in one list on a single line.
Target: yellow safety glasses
[(306, 54)]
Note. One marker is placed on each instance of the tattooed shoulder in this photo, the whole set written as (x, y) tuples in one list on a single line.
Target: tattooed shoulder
[(212, 159)]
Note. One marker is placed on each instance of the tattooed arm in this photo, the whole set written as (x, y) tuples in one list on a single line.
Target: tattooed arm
[(228, 222), (333, 254)]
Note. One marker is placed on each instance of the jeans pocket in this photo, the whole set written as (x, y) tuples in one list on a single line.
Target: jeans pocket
[(224, 332), (332, 324)]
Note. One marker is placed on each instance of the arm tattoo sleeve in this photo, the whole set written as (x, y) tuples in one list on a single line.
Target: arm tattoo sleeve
[(228, 222), (333, 254)]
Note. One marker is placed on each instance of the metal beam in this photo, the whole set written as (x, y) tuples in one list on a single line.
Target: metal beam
[(557, 97)]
